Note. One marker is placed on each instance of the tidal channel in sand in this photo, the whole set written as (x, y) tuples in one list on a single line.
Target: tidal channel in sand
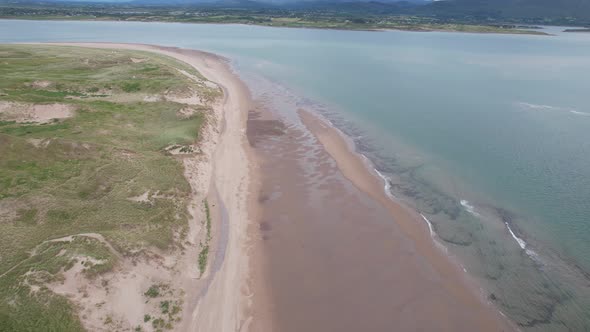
[(333, 253)]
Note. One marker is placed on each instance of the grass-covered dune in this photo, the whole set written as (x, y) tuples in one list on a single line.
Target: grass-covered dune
[(90, 147)]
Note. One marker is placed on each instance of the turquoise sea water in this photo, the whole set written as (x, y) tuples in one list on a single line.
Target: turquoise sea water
[(488, 136)]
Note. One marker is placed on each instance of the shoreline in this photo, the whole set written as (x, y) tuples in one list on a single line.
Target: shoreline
[(358, 169), (517, 32), (287, 239)]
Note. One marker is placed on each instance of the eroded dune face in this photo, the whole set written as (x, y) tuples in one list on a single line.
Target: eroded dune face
[(24, 112)]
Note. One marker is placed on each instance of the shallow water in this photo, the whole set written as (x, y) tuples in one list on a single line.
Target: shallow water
[(499, 122)]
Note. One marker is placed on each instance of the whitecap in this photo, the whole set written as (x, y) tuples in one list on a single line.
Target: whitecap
[(540, 107), (579, 113)]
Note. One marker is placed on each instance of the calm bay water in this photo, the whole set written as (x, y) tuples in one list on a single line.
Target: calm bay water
[(478, 132)]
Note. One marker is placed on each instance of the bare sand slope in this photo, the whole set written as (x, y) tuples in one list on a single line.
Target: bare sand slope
[(20, 112), (215, 302)]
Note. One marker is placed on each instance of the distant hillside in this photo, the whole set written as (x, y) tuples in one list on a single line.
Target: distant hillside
[(485, 12), (579, 9), (496, 9)]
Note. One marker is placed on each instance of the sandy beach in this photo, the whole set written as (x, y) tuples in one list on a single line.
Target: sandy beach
[(306, 239), (337, 252)]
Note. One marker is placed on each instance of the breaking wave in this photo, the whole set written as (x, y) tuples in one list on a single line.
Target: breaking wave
[(429, 224), (540, 107), (580, 113), (387, 185), (522, 243)]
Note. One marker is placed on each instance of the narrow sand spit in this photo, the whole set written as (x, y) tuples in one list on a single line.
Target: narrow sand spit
[(324, 252), (215, 301)]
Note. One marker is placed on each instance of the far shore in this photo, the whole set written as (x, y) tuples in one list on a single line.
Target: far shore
[(460, 28)]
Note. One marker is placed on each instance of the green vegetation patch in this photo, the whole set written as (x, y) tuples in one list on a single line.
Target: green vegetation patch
[(80, 175), (153, 291), (204, 253), (350, 16)]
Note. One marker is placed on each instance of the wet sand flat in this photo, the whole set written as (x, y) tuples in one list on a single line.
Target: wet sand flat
[(333, 257)]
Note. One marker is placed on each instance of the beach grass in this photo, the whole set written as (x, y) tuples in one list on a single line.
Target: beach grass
[(204, 253), (82, 174)]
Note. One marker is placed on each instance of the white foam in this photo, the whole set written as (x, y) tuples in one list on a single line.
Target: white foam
[(429, 225), (469, 208), (580, 113), (387, 185), (520, 241), (433, 234), (523, 245), (540, 107)]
